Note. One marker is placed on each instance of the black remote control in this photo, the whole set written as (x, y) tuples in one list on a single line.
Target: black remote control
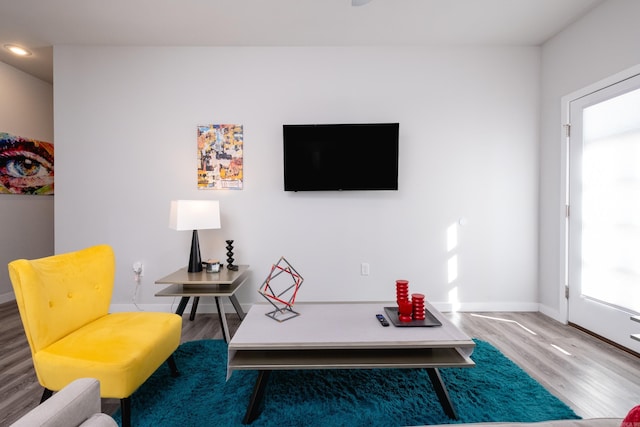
[(382, 320)]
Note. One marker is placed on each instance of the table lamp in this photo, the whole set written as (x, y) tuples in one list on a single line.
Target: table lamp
[(194, 215)]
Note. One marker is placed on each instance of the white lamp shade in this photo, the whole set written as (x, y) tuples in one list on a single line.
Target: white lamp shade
[(194, 214)]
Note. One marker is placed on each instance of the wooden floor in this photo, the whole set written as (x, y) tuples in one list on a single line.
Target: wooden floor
[(592, 377)]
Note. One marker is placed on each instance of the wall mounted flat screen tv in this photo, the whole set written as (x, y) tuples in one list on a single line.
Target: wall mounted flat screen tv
[(336, 157)]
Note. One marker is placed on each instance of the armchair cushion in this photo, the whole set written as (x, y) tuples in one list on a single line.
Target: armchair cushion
[(117, 349)]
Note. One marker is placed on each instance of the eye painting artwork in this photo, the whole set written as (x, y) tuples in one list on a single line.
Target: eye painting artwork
[(26, 165)]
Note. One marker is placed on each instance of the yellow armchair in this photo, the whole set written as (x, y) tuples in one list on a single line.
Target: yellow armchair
[(64, 306)]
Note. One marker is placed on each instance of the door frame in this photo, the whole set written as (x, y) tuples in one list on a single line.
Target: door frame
[(566, 100)]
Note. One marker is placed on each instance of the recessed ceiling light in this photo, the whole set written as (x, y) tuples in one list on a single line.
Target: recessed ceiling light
[(17, 50)]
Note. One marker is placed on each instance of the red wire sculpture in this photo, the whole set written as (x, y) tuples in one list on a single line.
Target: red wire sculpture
[(281, 291)]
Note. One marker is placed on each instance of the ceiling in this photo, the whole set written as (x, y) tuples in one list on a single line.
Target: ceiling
[(40, 24)]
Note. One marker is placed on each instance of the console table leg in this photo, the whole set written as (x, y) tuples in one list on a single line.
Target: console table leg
[(182, 305), (257, 397), (237, 306), (223, 321), (194, 307), (442, 393)]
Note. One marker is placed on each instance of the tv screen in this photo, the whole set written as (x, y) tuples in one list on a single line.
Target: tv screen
[(329, 157)]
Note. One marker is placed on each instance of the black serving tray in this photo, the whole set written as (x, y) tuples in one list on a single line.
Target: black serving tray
[(429, 319)]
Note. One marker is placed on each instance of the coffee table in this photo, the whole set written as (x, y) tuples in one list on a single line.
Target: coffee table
[(344, 336)]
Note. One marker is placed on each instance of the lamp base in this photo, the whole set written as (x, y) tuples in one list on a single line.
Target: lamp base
[(195, 262)]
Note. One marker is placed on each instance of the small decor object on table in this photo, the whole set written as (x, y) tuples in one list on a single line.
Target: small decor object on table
[(212, 266), (230, 259), (402, 291), (280, 288), (418, 306), (405, 309)]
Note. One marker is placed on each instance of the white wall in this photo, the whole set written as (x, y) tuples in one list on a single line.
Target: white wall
[(125, 123), (603, 43), (26, 109)]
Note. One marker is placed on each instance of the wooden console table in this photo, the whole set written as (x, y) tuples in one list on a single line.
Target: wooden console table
[(222, 284)]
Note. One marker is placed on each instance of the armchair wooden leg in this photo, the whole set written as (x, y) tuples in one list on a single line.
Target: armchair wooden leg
[(172, 365), (125, 409), (46, 394)]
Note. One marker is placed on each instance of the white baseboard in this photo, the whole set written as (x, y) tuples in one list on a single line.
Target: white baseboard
[(552, 313), (171, 308), (494, 306), (444, 307)]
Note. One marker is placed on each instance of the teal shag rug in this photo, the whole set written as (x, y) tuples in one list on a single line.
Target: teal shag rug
[(495, 390)]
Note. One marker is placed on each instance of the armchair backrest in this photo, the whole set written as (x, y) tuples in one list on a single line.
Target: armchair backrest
[(59, 294)]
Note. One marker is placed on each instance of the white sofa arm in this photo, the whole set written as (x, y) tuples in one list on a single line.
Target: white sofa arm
[(77, 404)]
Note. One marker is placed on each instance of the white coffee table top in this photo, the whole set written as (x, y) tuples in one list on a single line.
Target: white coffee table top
[(342, 326)]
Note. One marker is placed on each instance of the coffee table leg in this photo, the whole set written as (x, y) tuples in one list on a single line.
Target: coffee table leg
[(442, 393), (255, 403)]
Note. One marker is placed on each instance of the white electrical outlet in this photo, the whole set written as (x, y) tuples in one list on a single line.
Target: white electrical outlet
[(138, 268), (364, 269), (138, 272)]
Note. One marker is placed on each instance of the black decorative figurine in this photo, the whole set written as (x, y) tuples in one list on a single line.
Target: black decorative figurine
[(230, 265)]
